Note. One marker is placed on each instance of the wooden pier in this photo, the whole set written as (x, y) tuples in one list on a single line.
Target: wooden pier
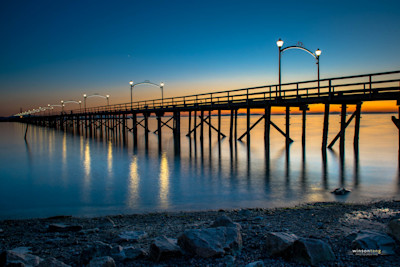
[(345, 91)]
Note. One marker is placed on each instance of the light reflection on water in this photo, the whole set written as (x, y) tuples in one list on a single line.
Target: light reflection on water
[(60, 173)]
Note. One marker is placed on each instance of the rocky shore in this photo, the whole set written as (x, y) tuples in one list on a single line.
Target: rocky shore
[(329, 234)]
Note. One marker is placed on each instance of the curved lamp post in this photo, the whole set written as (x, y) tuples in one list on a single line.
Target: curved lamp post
[(75, 102), (161, 86), (107, 97), (316, 55)]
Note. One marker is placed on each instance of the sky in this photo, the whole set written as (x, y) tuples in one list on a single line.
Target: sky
[(59, 50)]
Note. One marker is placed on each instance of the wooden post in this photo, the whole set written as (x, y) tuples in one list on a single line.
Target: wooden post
[(287, 125), (195, 129), (231, 127), (343, 127), (190, 122), (236, 123), (219, 124), (134, 129), (267, 127), (303, 136), (209, 128), (146, 129), (247, 126), (201, 126), (177, 131), (159, 132), (124, 129), (357, 126), (326, 126)]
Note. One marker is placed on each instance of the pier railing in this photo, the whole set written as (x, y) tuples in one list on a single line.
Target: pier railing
[(366, 84)]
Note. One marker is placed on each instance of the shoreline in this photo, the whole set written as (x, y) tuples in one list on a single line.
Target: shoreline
[(330, 222)]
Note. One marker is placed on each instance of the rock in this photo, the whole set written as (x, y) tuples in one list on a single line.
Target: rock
[(1, 231), (229, 260), (132, 253), (369, 240), (340, 191), (394, 227), (163, 248), (59, 227), (133, 236), (102, 262), (211, 242), (52, 262), (311, 251), (98, 249), (226, 222), (255, 264), (279, 243), (22, 250), (11, 258)]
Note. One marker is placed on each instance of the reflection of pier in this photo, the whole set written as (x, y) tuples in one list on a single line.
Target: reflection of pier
[(117, 120)]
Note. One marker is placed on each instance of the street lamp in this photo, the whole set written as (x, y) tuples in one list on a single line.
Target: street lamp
[(131, 83), (62, 107), (84, 101), (316, 55), (108, 96), (80, 106), (279, 43), (162, 93)]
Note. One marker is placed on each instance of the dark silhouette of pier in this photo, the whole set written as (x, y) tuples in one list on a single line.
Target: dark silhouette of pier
[(344, 91)]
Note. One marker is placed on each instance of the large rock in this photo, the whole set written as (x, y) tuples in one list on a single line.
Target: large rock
[(311, 251), (12, 258), (132, 236), (279, 243), (371, 240), (211, 242), (225, 221), (163, 248), (132, 253), (394, 226), (98, 249), (52, 262), (102, 262), (255, 264), (59, 227)]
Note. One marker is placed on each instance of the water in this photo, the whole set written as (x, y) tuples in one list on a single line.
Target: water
[(58, 173)]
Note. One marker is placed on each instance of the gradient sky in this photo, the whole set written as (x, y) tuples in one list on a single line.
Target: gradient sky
[(58, 50)]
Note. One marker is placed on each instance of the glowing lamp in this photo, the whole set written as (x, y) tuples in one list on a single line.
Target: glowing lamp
[(318, 52), (279, 43)]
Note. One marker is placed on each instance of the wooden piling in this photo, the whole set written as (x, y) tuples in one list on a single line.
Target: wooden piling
[(190, 122), (146, 129), (159, 131), (303, 135), (326, 126), (134, 129), (201, 126), (195, 124), (219, 124), (231, 127), (357, 126), (287, 125), (236, 123), (267, 127), (209, 128), (343, 127)]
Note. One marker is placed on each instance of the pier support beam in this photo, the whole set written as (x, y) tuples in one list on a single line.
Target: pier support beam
[(357, 127), (326, 126), (177, 131), (146, 129), (201, 126), (134, 129), (303, 135), (267, 127), (247, 126), (219, 124), (288, 141), (231, 126), (159, 131), (343, 127)]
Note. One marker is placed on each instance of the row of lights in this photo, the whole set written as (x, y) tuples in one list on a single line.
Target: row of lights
[(279, 43)]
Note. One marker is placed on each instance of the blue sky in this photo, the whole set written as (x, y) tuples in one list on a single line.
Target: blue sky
[(53, 50)]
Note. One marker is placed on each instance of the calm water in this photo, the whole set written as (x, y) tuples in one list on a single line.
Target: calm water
[(59, 173)]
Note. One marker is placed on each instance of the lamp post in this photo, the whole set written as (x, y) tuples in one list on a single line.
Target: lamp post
[(316, 55), (108, 97), (80, 106), (131, 83), (162, 93), (84, 101), (62, 107), (279, 43)]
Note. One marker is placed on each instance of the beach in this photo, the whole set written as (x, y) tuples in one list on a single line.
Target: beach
[(128, 239)]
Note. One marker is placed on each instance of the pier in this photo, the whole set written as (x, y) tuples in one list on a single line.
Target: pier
[(120, 119)]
